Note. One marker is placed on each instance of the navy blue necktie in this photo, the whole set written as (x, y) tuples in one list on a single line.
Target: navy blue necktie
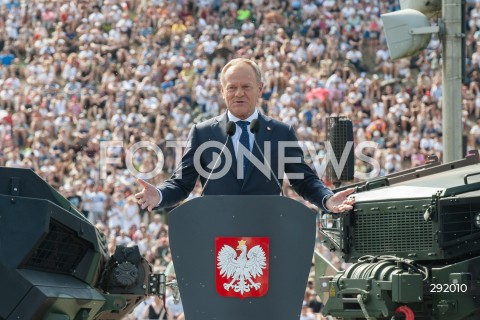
[(245, 141)]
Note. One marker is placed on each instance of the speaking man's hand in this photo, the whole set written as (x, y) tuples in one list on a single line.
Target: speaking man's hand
[(149, 196), (340, 201)]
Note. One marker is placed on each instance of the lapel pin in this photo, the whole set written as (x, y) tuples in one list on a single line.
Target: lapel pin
[(268, 128)]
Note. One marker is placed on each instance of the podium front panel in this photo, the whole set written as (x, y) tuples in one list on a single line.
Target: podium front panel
[(289, 227)]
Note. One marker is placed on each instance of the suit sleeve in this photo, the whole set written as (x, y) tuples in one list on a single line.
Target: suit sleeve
[(183, 180), (310, 187)]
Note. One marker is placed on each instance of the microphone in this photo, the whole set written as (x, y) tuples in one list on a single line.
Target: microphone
[(230, 130), (254, 127)]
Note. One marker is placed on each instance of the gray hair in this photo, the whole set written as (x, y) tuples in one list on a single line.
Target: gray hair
[(237, 61)]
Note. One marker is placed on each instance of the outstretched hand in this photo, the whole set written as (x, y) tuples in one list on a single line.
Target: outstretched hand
[(149, 197), (340, 201)]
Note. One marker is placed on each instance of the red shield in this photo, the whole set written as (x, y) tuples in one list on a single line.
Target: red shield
[(241, 266)]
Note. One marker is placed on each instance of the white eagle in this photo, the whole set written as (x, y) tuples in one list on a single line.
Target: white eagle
[(243, 268)]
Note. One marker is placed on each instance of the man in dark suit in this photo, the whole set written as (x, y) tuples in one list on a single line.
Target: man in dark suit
[(241, 86)]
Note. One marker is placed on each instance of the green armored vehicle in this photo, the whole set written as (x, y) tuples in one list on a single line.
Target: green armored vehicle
[(413, 241)]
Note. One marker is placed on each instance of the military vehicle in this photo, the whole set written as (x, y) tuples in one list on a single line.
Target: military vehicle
[(413, 241), (54, 264)]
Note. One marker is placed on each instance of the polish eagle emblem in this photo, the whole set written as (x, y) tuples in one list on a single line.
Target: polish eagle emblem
[(243, 271)]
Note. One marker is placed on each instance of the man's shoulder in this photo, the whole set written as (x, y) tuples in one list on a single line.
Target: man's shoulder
[(208, 123), (277, 124)]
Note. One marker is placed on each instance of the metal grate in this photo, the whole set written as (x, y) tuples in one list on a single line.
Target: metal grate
[(60, 251), (386, 232), (457, 222)]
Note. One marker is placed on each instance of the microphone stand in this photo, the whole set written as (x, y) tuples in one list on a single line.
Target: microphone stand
[(230, 130)]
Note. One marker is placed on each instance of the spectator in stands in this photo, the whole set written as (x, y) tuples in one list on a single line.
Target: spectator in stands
[(74, 74)]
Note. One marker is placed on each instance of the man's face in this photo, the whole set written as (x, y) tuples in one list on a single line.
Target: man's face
[(240, 90)]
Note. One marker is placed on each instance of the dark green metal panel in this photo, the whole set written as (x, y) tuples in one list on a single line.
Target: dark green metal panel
[(407, 288), (455, 304)]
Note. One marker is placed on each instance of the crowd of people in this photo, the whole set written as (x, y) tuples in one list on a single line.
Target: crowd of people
[(77, 75)]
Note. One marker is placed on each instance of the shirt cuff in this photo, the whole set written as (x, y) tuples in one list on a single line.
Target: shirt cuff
[(161, 197), (324, 203)]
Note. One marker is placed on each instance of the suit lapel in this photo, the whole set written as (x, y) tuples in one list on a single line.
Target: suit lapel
[(264, 134), (220, 131)]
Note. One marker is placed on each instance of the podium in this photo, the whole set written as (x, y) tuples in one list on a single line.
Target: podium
[(274, 288)]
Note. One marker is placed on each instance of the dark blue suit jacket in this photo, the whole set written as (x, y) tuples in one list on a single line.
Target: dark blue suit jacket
[(179, 186)]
